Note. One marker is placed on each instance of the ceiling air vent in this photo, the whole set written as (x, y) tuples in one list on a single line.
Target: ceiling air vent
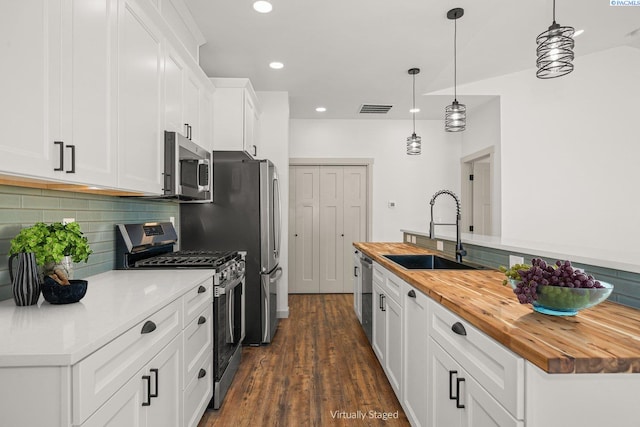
[(375, 108)]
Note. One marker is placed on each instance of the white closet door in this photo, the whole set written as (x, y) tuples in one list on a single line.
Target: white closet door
[(355, 217), (331, 229), (306, 187)]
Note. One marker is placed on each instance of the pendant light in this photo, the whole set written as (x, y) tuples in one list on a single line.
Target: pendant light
[(455, 118), (555, 50), (414, 142)]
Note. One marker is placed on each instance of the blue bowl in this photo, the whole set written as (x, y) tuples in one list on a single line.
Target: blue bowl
[(55, 293)]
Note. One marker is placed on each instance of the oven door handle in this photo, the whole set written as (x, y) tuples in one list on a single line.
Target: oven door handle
[(231, 315)]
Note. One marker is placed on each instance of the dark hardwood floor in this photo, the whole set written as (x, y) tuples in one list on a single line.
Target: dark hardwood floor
[(318, 370)]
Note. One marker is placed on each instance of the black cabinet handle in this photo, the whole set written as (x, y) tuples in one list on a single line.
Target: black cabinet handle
[(355, 270), (296, 234), (382, 298), (342, 235), (147, 378), (411, 294), (148, 327), (73, 158), (155, 371), (61, 167), (201, 289), (255, 150), (202, 320), (451, 374), (202, 373), (459, 329), (458, 404)]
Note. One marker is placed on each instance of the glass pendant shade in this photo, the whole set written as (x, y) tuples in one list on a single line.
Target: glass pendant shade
[(455, 115), (455, 119), (555, 50), (414, 145), (414, 142)]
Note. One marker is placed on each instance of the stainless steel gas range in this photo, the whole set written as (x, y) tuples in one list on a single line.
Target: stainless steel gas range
[(151, 246)]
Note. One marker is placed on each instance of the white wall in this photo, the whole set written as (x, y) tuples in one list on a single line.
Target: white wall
[(410, 181), (274, 145), (570, 149)]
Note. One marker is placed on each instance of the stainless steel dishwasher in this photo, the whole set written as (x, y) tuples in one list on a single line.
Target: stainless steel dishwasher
[(366, 304)]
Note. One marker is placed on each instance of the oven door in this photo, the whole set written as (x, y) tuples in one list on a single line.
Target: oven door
[(228, 312)]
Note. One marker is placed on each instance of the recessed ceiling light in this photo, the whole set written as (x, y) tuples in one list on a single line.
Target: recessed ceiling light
[(262, 6), (276, 65), (577, 33), (414, 110), (321, 109)]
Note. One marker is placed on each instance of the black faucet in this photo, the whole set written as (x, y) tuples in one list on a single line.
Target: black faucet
[(460, 252)]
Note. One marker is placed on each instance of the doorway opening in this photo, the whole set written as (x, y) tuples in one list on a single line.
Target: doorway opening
[(478, 195)]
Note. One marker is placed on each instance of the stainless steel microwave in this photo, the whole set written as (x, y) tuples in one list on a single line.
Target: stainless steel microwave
[(187, 169)]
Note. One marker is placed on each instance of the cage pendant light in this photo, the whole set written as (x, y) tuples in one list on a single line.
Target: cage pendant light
[(455, 117), (414, 142), (555, 50)]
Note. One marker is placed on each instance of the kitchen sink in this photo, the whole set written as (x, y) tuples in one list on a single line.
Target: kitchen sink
[(427, 262)]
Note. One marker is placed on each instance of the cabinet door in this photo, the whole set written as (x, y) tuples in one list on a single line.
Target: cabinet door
[(379, 324), (29, 105), (482, 410), (393, 357), (206, 120), (124, 408), (251, 123), (444, 373), (357, 286), (173, 92), (166, 373), (192, 106), (88, 92), (139, 102), (415, 377)]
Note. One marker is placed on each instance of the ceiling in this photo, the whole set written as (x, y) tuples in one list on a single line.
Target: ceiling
[(343, 53)]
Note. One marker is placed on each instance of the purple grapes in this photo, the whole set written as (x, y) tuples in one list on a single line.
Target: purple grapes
[(540, 273)]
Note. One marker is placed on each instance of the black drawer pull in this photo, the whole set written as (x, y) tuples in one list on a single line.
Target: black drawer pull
[(147, 378), (411, 293), (458, 404), (459, 329), (73, 158), (201, 320), (148, 326), (451, 374), (201, 289), (202, 373), (155, 371)]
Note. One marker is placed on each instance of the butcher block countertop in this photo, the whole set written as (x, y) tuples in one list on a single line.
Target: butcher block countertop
[(601, 339)]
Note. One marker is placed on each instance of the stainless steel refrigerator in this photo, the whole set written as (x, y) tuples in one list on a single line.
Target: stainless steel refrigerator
[(245, 215)]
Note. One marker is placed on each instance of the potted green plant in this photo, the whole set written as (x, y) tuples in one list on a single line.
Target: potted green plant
[(55, 246)]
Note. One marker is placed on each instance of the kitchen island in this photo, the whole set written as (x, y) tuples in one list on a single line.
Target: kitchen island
[(533, 369)]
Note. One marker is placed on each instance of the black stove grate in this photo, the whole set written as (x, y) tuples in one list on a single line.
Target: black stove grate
[(198, 259)]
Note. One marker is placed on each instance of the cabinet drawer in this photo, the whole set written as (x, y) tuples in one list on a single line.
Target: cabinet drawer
[(497, 369), (198, 392), (198, 343), (102, 373), (393, 287), (378, 274), (197, 299)]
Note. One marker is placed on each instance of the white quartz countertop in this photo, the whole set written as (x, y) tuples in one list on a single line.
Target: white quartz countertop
[(60, 335), (549, 250)]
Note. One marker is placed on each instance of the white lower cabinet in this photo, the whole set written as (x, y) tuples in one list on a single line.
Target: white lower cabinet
[(415, 377), (457, 399), (387, 328), (150, 398)]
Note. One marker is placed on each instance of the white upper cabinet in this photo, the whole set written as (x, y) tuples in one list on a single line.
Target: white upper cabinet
[(237, 114), (56, 99), (174, 70), (140, 67)]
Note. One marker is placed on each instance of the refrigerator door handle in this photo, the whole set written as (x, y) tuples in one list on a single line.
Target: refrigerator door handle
[(277, 221), (265, 300)]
